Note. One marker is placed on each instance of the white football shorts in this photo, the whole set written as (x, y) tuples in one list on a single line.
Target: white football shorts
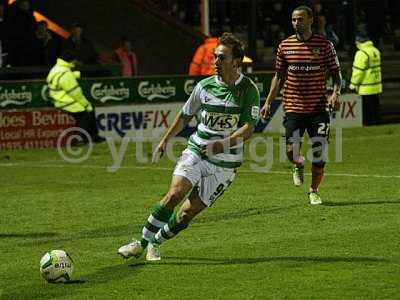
[(210, 180)]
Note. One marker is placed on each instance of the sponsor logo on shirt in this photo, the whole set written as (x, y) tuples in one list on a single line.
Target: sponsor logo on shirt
[(316, 52), (303, 68), (220, 122), (207, 99)]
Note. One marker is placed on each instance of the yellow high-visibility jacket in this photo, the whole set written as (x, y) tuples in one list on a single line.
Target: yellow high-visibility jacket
[(366, 78), (64, 88)]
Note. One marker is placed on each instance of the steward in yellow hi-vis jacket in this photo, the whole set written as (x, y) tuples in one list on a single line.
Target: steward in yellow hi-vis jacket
[(67, 95), (366, 78)]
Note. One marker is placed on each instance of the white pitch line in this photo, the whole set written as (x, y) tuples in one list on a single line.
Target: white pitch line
[(27, 165)]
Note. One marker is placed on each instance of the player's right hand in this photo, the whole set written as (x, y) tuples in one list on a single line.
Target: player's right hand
[(265, 110), (159, 151)]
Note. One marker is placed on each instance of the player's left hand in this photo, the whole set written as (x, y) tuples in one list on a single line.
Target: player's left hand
[(333, 102), (159, 151)]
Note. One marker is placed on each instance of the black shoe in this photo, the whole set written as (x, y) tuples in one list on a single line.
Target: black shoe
[(78, 143), (98, 139)]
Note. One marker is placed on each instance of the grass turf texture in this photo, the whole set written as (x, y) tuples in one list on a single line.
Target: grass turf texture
[(261, 240)]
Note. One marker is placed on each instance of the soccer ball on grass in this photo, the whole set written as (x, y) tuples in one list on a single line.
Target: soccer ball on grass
[(56, 266)]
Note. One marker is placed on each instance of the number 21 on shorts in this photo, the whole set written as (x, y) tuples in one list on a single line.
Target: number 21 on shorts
[(323, 129)]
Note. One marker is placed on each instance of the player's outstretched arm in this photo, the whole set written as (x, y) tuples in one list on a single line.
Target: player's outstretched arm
[(333, 100), (177, 125), (274, 89)]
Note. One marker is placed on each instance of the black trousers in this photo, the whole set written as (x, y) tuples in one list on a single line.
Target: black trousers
[(87, 121), (371, 109)]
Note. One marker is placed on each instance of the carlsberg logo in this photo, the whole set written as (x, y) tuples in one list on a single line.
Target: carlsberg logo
[(44, 92), (105, 92), (14, 96), (189, 86), (152, 91)]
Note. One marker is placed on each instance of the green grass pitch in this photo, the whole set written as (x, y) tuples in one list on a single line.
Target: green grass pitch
[(261, 239)]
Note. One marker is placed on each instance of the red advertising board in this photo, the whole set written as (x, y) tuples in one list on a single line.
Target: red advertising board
[(32, 128)]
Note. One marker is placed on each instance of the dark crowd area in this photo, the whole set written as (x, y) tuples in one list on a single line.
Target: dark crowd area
[(26, 42)]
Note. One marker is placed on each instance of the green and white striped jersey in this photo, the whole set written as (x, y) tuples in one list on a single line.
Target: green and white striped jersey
[(221, 110)]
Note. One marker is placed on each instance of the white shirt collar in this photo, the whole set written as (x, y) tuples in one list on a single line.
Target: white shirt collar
[(220, 82)]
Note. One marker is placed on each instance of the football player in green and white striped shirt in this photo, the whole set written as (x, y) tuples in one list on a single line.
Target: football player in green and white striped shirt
[(228, 108)]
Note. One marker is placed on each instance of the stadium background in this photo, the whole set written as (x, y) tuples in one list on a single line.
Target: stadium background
[(170, 31), (346, 249), (176, 26)]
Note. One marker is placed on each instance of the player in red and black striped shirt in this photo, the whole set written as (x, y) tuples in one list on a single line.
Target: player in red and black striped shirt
[(302, 62)]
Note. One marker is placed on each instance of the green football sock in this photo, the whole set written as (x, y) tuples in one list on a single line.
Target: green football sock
[(157, 219), (169, 230)]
